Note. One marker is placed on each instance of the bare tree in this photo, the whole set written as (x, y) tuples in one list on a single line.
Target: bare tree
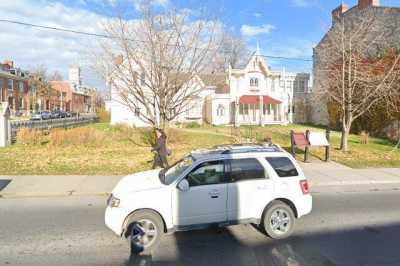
[(40, 87), (361, 68), (153, 62), (233, 51), (55, 76)]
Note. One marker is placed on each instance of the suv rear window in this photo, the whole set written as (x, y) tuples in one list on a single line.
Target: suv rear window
[(283, 166), (246, 169)]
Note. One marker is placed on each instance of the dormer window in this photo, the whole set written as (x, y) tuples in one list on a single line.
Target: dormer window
[(254, 82)]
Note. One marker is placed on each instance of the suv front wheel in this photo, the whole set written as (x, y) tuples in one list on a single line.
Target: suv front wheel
[(145, 231), (278, 220)]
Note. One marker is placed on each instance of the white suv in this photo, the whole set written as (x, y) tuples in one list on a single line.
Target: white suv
[(227, 185)]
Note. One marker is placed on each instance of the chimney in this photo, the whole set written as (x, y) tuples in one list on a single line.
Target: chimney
[(339, 11), (367, 3)]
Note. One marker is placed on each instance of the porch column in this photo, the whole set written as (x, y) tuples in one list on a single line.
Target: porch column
[(261, 110), (236, 118), (282, 112)]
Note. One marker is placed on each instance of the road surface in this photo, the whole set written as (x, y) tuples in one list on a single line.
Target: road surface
[(360, 228)]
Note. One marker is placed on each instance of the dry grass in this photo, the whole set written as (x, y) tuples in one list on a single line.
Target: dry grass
[(27, 136), (99, 149), (75, 136)]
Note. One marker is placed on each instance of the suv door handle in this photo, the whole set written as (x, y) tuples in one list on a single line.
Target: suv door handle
[(214, 194)]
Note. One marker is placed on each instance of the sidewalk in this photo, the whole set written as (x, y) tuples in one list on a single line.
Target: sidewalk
[(322, 177)]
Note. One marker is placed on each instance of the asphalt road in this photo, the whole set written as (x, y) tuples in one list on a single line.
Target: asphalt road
[(361, 228)]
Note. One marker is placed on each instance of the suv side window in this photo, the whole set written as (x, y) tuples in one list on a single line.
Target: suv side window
[(246, 169), (283, 166), (207, 173)]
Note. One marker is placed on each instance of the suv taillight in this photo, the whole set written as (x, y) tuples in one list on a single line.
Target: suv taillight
[(304, 187)]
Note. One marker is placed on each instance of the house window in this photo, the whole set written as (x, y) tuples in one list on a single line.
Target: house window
[(302, 85), (21, 86), (10, 84), (241, 109), (246, 109), (1, 83), (137, 111), (143, 79), (289, 84), (254, 82), (220, 110), (281, 83), (273, 85)]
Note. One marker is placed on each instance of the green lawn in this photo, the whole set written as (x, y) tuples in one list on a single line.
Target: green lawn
[(119, 151)]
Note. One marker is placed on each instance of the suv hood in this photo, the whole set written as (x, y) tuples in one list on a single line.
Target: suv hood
[(138, 182)]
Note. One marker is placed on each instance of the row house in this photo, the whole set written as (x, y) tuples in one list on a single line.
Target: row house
[(14, 87)]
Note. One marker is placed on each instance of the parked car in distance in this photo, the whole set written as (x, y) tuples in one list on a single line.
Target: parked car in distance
[(46, 115), (55, 114), (224, 186), (36, 116)]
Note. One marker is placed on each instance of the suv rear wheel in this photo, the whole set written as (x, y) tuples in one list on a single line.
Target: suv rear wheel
[(278, 220), (145, 231)]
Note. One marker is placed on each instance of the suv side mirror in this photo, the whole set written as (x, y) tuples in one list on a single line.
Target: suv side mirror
[(183, 185)]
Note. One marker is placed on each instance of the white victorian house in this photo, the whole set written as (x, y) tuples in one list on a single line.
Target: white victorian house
[(249, 95)]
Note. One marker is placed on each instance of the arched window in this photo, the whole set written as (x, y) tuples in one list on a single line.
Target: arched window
[(220, 110), (254, 82)]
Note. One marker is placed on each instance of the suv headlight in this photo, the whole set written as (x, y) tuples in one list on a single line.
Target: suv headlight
[(112, 201)]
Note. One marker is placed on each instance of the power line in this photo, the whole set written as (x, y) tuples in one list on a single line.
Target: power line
[(115, 37)]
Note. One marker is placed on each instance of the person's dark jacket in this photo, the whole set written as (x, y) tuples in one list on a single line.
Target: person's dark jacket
[(161, 146)]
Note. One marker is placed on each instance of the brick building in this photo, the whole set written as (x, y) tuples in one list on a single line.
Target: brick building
[(14, 87), (387, 20), (73, 96)]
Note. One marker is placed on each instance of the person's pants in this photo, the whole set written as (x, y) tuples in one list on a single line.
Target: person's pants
[(160, 161)]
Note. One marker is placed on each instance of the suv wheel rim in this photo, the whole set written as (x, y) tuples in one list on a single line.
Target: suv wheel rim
[(280, 221), (144, 233)]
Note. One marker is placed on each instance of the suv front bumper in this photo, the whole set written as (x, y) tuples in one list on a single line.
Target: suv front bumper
[(114, 219)]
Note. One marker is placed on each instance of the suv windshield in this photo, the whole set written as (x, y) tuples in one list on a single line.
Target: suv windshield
[(169, 175)]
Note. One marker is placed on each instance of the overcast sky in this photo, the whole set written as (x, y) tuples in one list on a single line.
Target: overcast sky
[(287, 28)]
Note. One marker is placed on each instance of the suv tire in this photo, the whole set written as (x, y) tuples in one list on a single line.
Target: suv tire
[(145, 231), (278, 220)]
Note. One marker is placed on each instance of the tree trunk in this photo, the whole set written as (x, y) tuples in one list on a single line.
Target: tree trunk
[(344, 139)]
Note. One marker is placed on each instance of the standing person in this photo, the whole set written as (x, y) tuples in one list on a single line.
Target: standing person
[(160, 150)]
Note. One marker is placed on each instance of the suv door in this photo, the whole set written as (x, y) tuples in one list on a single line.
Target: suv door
[(250, 189), (205, 201)]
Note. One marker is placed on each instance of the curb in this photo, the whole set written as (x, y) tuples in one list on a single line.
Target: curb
[(314, 186)]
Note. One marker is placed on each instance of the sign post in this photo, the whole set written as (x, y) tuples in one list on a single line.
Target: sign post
[(328, 147), (5, 130), (307, 148)]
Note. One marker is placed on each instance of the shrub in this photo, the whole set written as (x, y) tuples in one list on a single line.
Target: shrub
[(28, 136), (193, 125), (103, 116)]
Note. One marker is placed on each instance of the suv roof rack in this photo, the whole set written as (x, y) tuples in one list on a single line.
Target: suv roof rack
[(236, 148), (245, 148)]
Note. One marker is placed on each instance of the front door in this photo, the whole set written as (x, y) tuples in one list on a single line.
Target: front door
[(205, 201)]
